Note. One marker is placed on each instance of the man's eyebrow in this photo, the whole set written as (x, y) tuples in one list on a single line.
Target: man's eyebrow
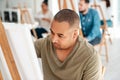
[(60, 34), (51, 30)]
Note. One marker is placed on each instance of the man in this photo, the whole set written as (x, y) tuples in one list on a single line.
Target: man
[(65, 55), (90, 23)]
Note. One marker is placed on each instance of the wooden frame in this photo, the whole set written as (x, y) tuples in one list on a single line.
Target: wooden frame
[(1, 78), (65, 4), (105, 32), (8, 54), (25, 14)]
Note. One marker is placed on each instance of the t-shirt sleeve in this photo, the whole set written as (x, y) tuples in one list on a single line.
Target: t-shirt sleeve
[(37, 48), (93, 69)]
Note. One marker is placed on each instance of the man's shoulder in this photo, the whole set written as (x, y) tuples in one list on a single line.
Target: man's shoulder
[(85, 51), (86, 48), (42, 41), (92, 10)]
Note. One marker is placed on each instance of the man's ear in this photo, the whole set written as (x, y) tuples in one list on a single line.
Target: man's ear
[(76, 33)]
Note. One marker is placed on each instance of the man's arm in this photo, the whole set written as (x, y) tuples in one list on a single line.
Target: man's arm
[(37, 48), (93, 69), (96, 26)]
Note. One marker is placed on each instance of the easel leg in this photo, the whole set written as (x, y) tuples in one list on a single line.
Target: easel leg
[(1, 78)]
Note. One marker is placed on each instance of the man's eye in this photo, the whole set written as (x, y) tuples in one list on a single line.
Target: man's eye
[(61, 36)]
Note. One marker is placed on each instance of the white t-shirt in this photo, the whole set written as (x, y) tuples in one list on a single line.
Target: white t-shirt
[(42, 23), (107, 12)]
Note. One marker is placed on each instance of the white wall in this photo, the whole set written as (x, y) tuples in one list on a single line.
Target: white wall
[(53, 5), (2, 5), (29, 3)]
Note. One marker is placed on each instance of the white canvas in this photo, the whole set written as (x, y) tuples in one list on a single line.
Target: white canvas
[(23, 50)]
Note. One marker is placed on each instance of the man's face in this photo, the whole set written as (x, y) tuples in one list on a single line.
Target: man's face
[(62, 35), (44, 7), (82, 6)]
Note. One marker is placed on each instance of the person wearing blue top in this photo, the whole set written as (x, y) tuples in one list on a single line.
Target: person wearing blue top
[(90, 22)]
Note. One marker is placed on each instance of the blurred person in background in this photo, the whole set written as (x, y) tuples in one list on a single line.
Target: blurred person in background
[(107, 11), (90, 23), (44, 18)]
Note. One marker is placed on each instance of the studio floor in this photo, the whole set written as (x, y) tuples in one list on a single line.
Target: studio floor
[(113, 66)]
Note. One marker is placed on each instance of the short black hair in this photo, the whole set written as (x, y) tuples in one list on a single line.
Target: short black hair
[(108, 3), (45, 2), (67, 15), (87, 1)]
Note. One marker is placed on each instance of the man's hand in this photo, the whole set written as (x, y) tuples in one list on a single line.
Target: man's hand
[(46, 19)]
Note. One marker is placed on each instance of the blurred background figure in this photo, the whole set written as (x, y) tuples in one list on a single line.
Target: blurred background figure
[(44, 18), (90, 22), (107, 11)]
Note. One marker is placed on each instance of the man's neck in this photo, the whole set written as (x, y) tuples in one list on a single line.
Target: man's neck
[(85, 11), (45, 11), (62, 54)]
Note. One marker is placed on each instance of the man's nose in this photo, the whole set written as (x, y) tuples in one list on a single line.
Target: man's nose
[(54, 39)]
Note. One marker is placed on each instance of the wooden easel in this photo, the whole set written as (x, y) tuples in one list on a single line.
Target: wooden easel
[(105, 31), (8, 54), (65, 4), (25, 14)]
